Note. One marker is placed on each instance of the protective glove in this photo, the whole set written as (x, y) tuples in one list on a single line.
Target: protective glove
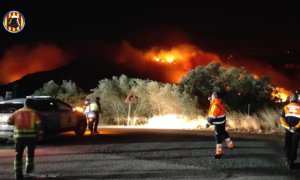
[(207, 125), (209, 122)]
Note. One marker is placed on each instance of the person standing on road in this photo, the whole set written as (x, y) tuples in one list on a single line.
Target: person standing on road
[(27, 131), (290, 120), (86, 106), (217, 117), (96, 107)]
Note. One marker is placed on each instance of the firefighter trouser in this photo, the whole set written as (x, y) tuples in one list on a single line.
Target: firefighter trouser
[(96, 121), (291, 145), (20, 145), (220, 133)]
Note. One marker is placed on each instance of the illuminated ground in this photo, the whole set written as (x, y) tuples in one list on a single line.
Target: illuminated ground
[(146, 153)]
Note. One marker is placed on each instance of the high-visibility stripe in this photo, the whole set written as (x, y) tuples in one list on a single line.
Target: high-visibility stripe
[(24, 135), (284, 123), (221, 116), (17, 165), (24, 130), (219, 149), (32, 119), (216, 109), (293, 115), (221, 122), (285, 126), (293, 106), (29, 161)]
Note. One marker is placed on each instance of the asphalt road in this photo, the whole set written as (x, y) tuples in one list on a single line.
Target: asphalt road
[(154, 154)]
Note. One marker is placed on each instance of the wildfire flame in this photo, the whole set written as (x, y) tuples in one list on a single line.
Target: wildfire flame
[(166, 64), (174, 121), (19, 61), (186, 54), (280, 94), (170, 64)]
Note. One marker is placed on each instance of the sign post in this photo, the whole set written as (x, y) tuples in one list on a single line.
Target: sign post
[(130, 99), (128, 117)]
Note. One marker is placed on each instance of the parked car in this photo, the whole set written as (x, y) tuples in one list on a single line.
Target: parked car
[(57, 116)]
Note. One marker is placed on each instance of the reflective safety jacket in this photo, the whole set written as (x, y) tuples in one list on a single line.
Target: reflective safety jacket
[(94, 106), (27, 123), (290, 116), (216, 112)]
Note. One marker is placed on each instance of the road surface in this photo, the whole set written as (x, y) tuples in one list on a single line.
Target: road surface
[(154, 154)]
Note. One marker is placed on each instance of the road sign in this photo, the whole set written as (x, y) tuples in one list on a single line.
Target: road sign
[(130, 98)]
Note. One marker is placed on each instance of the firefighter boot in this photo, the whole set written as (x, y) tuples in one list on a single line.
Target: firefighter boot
[(219, 152), (19, 175), (29, 169), (230, 144)]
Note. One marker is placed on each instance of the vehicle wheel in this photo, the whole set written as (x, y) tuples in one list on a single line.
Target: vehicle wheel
[(81, 127)]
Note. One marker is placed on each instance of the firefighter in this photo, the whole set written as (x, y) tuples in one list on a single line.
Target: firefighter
[(217, 117), (96, 107), (27, 131), (290, 120)]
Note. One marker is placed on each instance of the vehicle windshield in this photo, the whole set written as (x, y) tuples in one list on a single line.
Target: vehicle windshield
[(10, 108)]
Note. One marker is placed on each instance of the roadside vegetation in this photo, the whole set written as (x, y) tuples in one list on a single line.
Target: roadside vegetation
[(248, 99), (68, 91)]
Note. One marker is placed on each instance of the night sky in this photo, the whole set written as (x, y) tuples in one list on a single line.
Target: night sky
[(89, 36)]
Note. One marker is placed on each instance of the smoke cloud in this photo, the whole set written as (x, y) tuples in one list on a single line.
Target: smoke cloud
[(171, 63), (21, 60)]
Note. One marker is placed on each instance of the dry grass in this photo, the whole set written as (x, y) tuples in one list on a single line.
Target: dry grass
[(265, 121)]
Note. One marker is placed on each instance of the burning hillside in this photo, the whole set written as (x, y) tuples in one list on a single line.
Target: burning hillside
[(162, 63), (19, 61), (170, 64)]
